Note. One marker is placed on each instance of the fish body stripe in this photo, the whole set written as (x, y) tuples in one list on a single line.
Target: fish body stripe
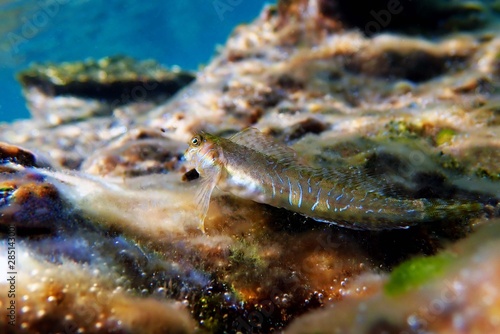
[(299, 204), (317, 200)]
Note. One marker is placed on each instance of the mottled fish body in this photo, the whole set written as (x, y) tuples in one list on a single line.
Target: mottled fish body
[(253, 166)]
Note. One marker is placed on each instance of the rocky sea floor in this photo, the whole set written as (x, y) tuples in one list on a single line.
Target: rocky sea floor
[(105, 230)]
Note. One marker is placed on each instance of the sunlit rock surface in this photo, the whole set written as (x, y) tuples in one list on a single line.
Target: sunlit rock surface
[(107, 235)]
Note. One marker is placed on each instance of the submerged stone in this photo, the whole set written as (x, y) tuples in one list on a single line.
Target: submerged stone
[(16, 154), (459, 292), (75, 91)]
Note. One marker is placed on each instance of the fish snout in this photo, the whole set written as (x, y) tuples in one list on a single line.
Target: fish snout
[(202, 157)]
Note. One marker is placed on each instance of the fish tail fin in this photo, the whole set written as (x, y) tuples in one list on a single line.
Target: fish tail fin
[(442, 209)]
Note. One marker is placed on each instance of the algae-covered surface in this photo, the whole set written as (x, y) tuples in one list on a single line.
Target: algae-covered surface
[(106, 228)]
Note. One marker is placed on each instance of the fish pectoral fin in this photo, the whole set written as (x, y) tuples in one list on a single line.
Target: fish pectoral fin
[(257, 141), (206, 187)]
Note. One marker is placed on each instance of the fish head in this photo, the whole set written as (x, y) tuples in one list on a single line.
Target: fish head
[(204, 153)]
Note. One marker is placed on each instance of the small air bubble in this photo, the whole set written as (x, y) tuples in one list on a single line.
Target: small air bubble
[(227, 296)]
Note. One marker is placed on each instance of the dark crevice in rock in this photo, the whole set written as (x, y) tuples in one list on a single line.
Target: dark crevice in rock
[(414, 17), (384, 326), (118, 93), (416, 66), (300, 129), (287, 82), (383, 248)]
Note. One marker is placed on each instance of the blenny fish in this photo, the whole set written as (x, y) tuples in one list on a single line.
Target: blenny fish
[(254, 166)]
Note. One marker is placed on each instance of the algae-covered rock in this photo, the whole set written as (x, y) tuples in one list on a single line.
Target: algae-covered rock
[(450, 292), (78, 90), (416, 272)]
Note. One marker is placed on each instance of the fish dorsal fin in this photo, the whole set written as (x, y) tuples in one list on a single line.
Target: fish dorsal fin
[(256, 140)]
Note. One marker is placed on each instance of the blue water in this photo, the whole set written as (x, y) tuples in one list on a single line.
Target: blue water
[(183, 33)]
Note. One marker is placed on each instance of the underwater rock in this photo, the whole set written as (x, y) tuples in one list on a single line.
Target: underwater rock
[(74, 298), (139, 152), (16, 154), (421, 17), (454, 291), (427, 16), (79, 90), (102, 212)]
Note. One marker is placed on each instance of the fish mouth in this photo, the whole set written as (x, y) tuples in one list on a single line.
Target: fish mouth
[(207, 151), (197, 153), (203, 157)]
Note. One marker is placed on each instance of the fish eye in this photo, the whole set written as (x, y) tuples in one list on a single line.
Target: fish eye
[(196, 141)]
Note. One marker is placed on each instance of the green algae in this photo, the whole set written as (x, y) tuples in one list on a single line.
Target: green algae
[(105, 70), (209, 309), (399, 130), (483, 173), (428, 141), (444, 136), (244, 254), (416, 272)]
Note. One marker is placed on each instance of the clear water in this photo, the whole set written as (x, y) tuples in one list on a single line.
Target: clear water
[(183, 33)]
